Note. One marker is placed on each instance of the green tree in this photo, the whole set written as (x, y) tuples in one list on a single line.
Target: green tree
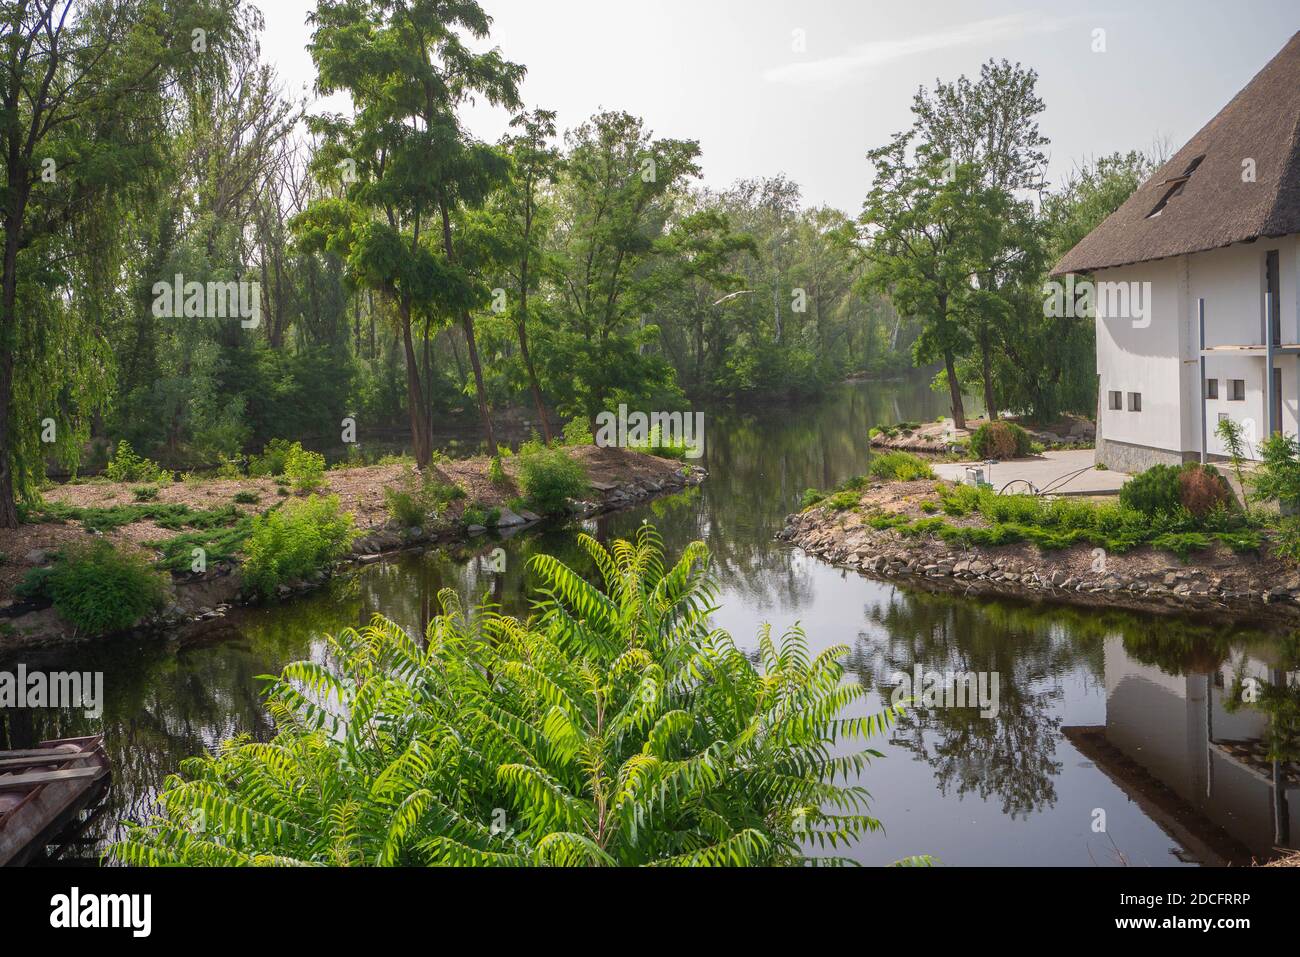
[(617, 192), (919, 248), (405, 165), (84, 88)]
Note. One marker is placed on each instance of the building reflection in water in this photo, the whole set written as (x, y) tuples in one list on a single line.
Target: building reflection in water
[(1207, 750)]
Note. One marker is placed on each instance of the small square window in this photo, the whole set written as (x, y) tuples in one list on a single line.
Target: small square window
[(1223, 417), (1135, 401), (1116, 401), (1237, 390), (1211, 388)]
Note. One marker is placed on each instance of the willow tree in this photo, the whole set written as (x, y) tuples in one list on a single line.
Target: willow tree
[(84, 88), (405, 165)]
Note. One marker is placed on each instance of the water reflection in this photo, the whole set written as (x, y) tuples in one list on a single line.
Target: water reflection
[(1132, 715)]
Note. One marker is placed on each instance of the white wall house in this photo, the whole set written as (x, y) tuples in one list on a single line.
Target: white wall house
[(1216, 231)]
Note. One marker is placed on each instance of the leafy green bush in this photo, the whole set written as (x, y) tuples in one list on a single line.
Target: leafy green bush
[(811, 497), (1286, 538), (1154, 491), (295, 540), (1278, 477), (306, 470), (416, 498), (577, 431), (1000, 440), (126, 466), (497, 471), (900, 467), (549, 478), (273, 458), (476, 513), (98, 589), (145, 493), (614, 727), (247, 498)]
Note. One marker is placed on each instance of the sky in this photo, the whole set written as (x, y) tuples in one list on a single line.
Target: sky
[(806, 87)]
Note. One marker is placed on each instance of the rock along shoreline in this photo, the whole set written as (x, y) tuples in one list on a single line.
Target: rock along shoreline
[(1216, 583)]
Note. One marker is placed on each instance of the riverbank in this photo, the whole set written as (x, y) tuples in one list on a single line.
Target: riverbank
[(1214, 581), (941, 437), (110, 511)]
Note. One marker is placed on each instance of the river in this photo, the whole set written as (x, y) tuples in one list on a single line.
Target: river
[(1112, 742)]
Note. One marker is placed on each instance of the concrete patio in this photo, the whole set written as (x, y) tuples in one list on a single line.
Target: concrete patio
[(1050, 471)]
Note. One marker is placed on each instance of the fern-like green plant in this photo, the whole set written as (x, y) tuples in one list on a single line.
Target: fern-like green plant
[(613, 727)]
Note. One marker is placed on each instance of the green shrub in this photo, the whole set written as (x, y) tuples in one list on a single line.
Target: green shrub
[(144, 493), (1286, 538), (497, 471), (476, 513), (306, 470), (273, 458), (295, 540), (1000, 440), (549, 478), (614, 725), (811, 497), (577, 431), (1278, 477), (900, 467), (98, 589), (843, 501), (1154, 491), (126, 466), (416, 498), (247, 498)]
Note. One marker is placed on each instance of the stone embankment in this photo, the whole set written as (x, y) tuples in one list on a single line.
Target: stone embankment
[(1216, 581)]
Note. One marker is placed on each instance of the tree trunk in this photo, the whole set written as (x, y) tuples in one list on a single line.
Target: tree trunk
[(986, 362), (954, 390), (522, 328), (533, 384), (414, 394), (8, 344), (467, 323)]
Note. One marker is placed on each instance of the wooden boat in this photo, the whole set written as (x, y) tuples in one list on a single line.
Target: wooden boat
[(43, 792)]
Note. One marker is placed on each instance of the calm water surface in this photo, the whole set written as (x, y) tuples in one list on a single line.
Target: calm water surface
[(1099, 714)]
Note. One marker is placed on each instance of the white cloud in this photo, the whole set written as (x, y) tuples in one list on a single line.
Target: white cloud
[(830, 70)]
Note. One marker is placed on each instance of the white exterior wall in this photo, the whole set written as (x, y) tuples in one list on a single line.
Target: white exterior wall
[(1159, 359)]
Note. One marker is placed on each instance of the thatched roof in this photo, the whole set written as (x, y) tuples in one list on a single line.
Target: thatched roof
[(1206, 203)]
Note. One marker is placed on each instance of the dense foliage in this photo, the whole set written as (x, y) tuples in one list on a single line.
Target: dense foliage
[(614, 727), (550, 478), (403, 266), (97, 588), (300, 537)]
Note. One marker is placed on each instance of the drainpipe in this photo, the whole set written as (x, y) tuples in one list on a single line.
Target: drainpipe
[(1205, 411), (1268, 359)]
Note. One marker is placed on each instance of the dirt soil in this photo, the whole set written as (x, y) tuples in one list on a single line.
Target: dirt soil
[(360, 491)]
